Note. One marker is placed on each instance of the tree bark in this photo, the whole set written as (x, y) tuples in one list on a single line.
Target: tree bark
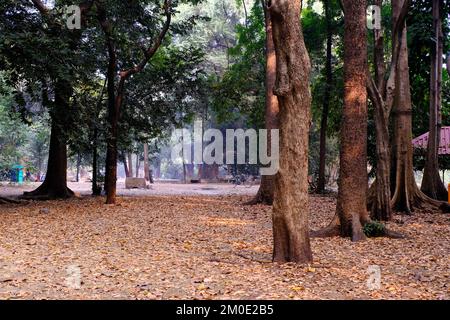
[(146, 164), (291, 201), (432, 184), (55, 183), (326, 101), (351, 212), (266, 190), (406, 194)]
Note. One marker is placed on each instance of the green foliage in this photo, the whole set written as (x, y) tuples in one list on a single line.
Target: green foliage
[(374, 229), (240, 93)]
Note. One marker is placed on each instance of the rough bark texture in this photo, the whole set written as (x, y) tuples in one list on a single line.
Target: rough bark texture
[(55, 183), (406, 194), (326, 101), (266, 190), (432, 184), (291, 203), (351, 212)]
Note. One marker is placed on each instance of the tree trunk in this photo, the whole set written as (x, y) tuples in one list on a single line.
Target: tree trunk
[(55, 183), (432, 184), (138, 165), (406, 194), (130, 165), (111, 149), (146, 164), (96, 191), (115, 98), (351, 210), (78, 167), (266, 190), (326, 101), (291, 201), (379, 199), (125, 165)]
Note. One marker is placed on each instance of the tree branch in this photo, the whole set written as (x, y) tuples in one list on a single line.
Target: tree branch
[(148, 54), (40, 6)]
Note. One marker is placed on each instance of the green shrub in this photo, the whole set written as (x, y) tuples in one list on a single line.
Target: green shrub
[(374, 229)]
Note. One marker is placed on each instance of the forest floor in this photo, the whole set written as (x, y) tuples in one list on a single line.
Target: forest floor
[(205, 247)]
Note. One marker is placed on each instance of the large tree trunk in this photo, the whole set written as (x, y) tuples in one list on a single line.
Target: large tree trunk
[(432, 184), (266, 189), (406, 194), (326, 101), (351, 211), (291, 202), (55, 183)]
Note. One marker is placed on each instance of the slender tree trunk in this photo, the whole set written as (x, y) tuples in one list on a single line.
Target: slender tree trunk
[(146, 164), (432, 184), (96, 191), (266, 190), (291, 201), (130, 165), (78, 167), (138, 165), (125, 165), (351, 212), (379, 199), (326, 101)]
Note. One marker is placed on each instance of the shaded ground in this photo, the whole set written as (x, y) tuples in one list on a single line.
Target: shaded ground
[(205, 248), (84, 188)]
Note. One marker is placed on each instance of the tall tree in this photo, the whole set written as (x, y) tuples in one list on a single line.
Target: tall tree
[(55, 183), (381, 91), (406, 195), (291, 202), (432, 184), (266, 189), (116, 94), (326, 99), (351, 212)]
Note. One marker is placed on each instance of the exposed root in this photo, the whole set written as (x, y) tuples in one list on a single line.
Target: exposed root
[(45, 194), (8, 201), (393, 234), (332, 230)]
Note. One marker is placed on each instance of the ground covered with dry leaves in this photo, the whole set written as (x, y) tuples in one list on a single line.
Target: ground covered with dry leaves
[(206, 247)]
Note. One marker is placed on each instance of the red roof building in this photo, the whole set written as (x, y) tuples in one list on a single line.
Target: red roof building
[(444, 145)]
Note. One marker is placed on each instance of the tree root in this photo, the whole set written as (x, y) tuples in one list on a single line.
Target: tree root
[(46, 194), (334, 230), (8, 201)]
